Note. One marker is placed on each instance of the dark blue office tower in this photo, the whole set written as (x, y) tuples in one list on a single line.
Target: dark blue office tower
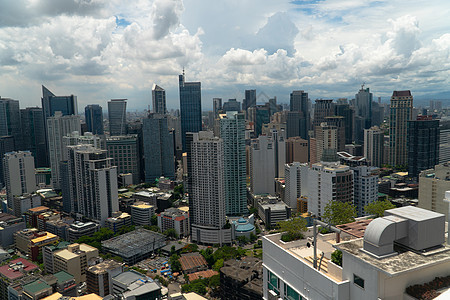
[(190, 107), (94, 118)]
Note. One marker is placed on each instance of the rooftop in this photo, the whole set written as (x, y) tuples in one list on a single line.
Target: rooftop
[(192, 260), (129, 277), (406, 261), (202, 274), (47, 236), (63, 276), (142, 206), (11, 270), (36, 287), (132, 240), (38, 209), (104, 266)]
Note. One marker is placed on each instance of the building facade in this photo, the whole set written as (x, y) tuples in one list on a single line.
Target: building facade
[(208, 208), (124, 150), (374, 146), (423, 145), (401, 113), (33, 134), (117, 115), (232, 132), (158, 100), (190, 107), (20, 177), (158, 148), (92, 182), (94, 118)]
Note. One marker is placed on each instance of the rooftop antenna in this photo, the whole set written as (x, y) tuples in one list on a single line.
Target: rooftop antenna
[(362, 86), (183, 70)]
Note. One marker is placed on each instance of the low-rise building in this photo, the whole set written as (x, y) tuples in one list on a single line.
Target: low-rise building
[(9, 224), (193, 262), (99, 277), (241, 279), (165, 184), (271, 212), (73, 260), (174, 218), (134, 246), (12, 272), (31, 241), (159, 200), (141, 213), (134, 285), (60, 227), (31, 215), (79, 229), (45, 217), (23, 203), (48, 255), (117, 221)]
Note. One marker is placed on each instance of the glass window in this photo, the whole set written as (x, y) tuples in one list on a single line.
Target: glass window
[(273, 282), (358, 281), (290, 294)]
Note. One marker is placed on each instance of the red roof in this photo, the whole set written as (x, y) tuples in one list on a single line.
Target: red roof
[(192, 260), (12, 274), (202, 274)]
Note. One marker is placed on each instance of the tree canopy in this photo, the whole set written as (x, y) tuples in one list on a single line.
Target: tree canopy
[(337, 212), (377, 208), (294, 228)]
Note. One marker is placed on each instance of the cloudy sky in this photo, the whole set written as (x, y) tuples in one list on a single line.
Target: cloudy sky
[(102, 49)]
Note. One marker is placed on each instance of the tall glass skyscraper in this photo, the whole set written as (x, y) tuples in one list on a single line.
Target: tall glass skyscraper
[(232, 132), (158, 148), (159, 100), (10, 121), (117, 115), (94, 118), (190, 107), (34, 135)]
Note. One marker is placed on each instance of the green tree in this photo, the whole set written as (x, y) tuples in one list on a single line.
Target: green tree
[(293, 228), (190, 248), (336, 257), (214, 281), (171, 233), (175, 264), (253, 210), (336, 213), (253, 237), (218, 264), (242, 240), (154, 220), (377, 208)]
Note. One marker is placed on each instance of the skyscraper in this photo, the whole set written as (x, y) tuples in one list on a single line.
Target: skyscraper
[(423, 144), (67, 105), (343, 109), (249, 100), (231, 105), (232, 132), (363, 113), (217, 106), (124, 150), (20, 177), (6, 145), (33, 134), (94, 118), (401, 113), (208, 190), (322, 109), (262, 165), (158, 100), (299, 102), (190, 107), (10, 121), (158, 148), (117, 115), (326, 140), (374, 146), (92, 183), (259, 115), (59, 126)]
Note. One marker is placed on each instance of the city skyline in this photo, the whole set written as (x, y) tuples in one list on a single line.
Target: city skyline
[(325, 49)]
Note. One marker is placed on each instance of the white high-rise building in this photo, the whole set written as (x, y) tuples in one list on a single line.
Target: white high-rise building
[(326, 138), (232, 132), (374, 146), (59, 126), (207, 213), (296, 177), (365, 187), (328, 181), (20, 177), (267, 160), (91, 184)]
